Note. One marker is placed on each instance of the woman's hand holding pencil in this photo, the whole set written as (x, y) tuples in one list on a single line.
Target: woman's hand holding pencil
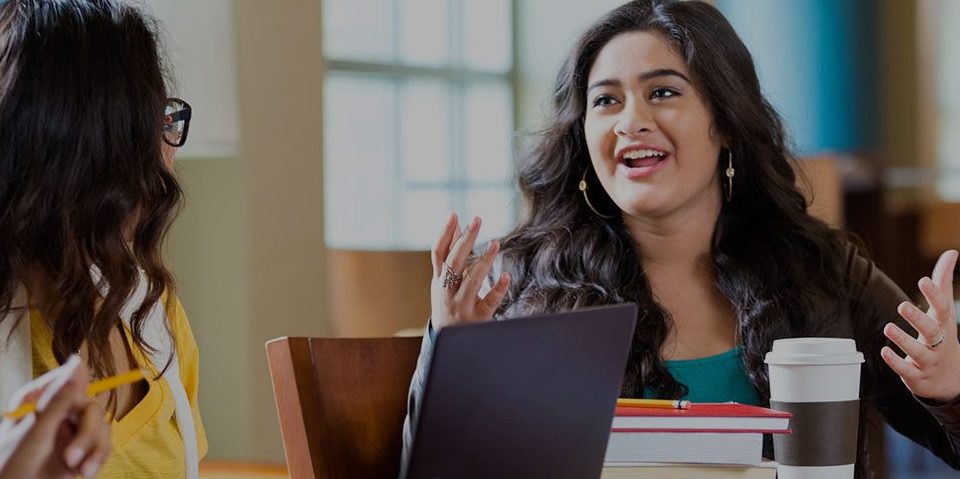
[(98, 387), (67, 436)]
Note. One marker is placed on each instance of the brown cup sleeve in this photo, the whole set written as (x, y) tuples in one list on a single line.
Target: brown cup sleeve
[(823, 433)]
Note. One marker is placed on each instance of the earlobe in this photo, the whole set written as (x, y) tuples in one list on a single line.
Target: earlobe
[(168, 153)]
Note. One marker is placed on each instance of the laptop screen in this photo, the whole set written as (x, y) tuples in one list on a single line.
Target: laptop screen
[(523, 398)]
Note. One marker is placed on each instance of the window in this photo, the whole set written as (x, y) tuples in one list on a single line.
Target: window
[(947, 77), (418, 119)]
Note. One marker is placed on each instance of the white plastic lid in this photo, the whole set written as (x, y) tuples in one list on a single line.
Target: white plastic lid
[(814, 351)]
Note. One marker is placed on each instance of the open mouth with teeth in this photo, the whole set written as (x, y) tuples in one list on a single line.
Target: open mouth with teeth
[(642, 158)]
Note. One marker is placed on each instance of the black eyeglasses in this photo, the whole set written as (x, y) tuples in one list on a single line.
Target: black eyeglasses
[(176, 122)]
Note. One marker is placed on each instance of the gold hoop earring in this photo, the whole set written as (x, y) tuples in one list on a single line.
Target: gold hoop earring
[(583, 188), (730, 172)]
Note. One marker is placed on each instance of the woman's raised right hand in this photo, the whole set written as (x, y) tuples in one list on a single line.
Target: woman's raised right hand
[(458, 302)]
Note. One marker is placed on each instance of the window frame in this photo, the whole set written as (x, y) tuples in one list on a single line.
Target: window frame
[(458, 78)]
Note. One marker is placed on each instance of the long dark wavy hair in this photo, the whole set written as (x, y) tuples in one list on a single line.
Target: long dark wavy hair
[(82, 177), (779, 267)]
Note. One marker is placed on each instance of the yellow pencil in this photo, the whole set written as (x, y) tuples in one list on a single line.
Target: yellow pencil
[(654, 403), (98, 387)]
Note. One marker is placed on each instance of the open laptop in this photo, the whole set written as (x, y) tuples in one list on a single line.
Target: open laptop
[(523, 398)]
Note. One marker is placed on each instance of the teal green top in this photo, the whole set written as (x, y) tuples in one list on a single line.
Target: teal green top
[(719, 378)]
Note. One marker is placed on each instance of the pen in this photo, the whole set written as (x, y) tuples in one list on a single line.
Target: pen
[(98, 387), (654, 403)]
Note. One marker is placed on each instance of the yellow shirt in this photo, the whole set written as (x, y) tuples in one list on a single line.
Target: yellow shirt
[(145, 443)]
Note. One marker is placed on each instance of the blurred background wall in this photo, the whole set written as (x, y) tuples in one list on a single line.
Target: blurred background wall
[(330, 137)]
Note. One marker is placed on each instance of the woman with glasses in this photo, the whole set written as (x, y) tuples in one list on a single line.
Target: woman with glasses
[(87, 194)]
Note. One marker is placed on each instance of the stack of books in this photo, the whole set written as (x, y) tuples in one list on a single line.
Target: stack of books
[(678, 439)]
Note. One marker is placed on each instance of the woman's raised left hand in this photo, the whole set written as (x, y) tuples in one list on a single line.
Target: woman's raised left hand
[(65, 438), (931, 369)]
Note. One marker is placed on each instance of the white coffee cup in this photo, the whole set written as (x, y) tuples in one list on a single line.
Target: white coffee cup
[(818, 381)]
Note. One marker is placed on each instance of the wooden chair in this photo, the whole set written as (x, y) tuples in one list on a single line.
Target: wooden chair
[(341, 403)]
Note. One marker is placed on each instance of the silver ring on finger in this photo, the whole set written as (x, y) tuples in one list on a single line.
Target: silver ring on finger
[(451, 279), (936, 343)]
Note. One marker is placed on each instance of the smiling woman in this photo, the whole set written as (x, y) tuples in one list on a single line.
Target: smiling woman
[(648, 130), (664, 179)]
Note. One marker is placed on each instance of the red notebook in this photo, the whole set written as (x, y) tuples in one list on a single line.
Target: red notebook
[(702, 417)]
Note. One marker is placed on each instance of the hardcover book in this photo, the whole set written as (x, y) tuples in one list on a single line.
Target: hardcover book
[(702, 417)]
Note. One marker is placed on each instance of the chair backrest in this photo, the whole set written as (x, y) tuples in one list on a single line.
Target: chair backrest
[(342, 402), (823, 189), (376, 293)]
